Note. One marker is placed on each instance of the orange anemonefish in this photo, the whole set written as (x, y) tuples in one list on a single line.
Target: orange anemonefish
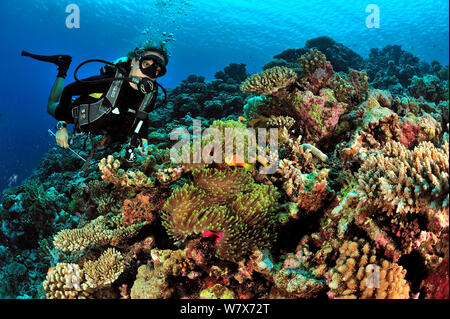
[(236, 160)]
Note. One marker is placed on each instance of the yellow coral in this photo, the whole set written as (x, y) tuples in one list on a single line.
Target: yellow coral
[(269, 81), (105, 270), (114, 174), (360, 274), (311, 61), (97, 232), (66, 281)]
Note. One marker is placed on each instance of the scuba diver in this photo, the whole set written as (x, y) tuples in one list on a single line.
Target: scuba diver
[(115, 103)]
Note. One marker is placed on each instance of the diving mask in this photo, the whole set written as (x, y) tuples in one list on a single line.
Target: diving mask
[(151, 69)]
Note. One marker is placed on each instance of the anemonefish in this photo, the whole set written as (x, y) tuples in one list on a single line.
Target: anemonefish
[(236, 160)]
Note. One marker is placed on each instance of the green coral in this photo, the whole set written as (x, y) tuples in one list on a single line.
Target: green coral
[(317, 116), (217, 292)]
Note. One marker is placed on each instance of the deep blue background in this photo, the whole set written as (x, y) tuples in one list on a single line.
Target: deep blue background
[(209, 35)]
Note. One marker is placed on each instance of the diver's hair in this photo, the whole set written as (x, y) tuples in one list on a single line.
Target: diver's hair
[(139, 50)]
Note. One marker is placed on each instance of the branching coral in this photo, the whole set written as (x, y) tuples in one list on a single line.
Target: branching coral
[(96, 198), (351, 89), (281, 122), (101, 231), (406, 181), (105, 270), (70, 281), (114, 174), (311, 61), (168, 175), (269, 81), (317, 71), (430, 87), (240, 218), (360, 274), (407, 191)]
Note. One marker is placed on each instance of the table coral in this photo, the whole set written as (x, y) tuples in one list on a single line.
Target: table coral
[(101, 231), (269, 81), (105, 270)]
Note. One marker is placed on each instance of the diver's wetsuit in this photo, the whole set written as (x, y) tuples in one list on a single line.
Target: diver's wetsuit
[(119, 124)]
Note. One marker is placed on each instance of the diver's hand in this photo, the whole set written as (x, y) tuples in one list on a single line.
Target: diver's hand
[(62, 138)]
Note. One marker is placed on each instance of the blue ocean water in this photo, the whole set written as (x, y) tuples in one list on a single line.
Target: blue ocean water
[(208, 36)]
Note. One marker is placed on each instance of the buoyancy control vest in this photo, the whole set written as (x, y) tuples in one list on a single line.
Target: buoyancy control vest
[(94, 117)]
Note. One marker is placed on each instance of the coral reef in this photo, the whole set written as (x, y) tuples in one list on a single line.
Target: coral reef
[(357, 206)]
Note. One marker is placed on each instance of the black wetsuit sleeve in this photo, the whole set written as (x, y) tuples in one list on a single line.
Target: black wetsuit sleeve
[(63, 111)]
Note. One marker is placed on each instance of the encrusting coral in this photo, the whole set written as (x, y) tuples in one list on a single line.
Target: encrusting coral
[(139, 210), (114, 174)]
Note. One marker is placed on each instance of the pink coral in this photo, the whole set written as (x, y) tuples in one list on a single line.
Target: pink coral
[(320, 78), (314, 199), (436, 285), (409, 132), (138, 210), (317, 115)]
